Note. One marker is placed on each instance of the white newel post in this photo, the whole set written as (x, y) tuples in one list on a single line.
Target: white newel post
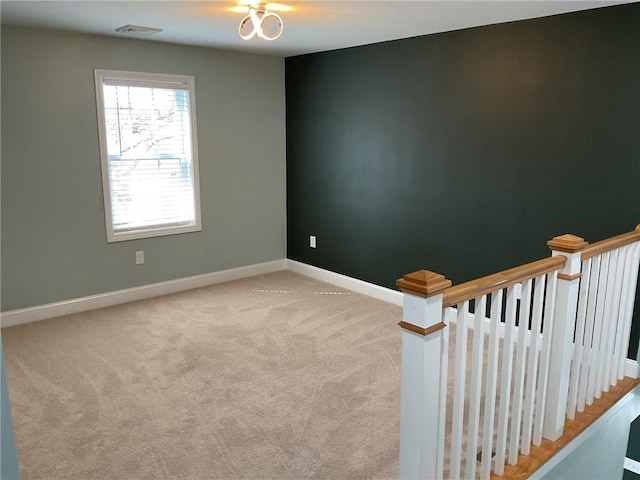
[(424, 376), (566, 306)]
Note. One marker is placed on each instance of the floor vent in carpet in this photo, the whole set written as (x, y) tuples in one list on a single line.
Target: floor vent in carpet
[(331, 293), (270, 291)]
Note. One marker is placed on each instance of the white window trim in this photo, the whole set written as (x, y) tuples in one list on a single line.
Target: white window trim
[(145, 79)]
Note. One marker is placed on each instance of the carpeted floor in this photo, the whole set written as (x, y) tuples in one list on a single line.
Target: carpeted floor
[(272, 377)]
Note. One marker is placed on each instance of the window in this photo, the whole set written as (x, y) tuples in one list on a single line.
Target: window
[(148, 150)]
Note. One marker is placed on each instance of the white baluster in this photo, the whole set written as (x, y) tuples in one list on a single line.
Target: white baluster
[(631, 281), (532, 365), (619, 319), (579, 348), (505, 384), (459, 390), (585, 392), (521, 363), (491, 385), (612, 305), (475, 388), (595, 377), (545, 358)]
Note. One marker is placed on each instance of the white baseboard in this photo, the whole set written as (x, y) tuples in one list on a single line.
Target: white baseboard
[(67, 307), (350, 283), (83, 304), (631, 368), (632, 465)]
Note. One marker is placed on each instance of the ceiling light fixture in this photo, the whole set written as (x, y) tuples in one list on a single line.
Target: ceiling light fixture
[(261, 22)]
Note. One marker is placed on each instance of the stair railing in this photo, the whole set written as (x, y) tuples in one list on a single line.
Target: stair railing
[(533, 345)]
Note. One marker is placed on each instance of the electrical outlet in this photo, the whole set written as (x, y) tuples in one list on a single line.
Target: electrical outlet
[(140, 257), (312, 241)]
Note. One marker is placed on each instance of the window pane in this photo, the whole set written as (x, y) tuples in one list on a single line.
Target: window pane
[(150, 161), (150, 192), (147, 121)]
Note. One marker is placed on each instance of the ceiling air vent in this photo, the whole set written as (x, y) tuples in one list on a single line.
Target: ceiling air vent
[(137, 30)]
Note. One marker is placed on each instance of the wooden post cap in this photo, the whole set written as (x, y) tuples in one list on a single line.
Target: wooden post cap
[(567, 243), (423, 283)]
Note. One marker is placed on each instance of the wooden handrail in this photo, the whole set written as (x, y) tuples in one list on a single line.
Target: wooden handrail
[(611, 244), (481, 286)]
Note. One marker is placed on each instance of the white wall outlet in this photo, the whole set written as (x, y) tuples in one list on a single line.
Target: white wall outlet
[(312, 241), (140, 257)]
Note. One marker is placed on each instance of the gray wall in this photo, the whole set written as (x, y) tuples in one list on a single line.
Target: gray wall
[(53, 230)]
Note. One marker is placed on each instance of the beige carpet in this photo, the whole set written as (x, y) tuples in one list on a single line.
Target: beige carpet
[(273, 377)]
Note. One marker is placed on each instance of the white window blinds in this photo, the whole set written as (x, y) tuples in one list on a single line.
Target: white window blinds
[(149, 161)]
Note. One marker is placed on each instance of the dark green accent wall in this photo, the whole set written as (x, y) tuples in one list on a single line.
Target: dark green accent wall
[(464, 152)]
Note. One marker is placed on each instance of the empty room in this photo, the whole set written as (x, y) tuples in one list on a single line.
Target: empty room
[(386, 239)]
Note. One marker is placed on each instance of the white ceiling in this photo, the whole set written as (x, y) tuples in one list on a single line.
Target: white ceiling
[(311, 26)]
